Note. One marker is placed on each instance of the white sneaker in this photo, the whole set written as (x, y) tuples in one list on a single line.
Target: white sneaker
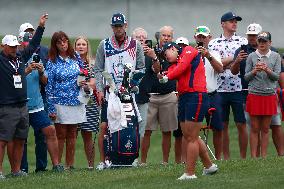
[(211, 170), (185, 176), (135, 163), (101, 166), (2, 176)]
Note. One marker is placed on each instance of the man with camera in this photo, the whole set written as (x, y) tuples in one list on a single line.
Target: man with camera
[(14, 124), (230, 88), (238, 67), (162, 110), (38, 118), (26, 32), (213, 66), (112, 55)]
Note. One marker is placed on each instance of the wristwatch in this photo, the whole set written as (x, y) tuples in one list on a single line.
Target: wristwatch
[(155, 59), (210, 58)]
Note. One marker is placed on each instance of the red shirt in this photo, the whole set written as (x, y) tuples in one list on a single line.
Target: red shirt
[(189, 72)]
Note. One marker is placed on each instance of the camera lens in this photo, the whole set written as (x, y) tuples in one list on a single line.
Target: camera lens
[(36, 58)]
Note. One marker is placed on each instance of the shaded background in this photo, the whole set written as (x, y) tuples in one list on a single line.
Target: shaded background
[(92, 17)]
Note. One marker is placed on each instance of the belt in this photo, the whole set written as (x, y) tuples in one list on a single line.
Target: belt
[(16, 105), (212, 93)]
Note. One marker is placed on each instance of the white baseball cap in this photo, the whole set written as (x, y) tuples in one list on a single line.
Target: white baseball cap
[(10, 40), (25, 26), (254, 29), (202, 30), (182, 40)]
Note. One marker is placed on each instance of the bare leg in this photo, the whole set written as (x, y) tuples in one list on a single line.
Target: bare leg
[(145, 145), (70, 145), (243, 139), (18, 147), (226, 141), (178, 151), (166, 145), (218, 143), (254, 135), (2, 153), (89, 147), (264, 130), (277, 136), (103, 131), (52, 143), (61, 131)]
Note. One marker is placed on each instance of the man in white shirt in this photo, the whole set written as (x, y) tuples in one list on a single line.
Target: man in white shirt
[(213, 66)]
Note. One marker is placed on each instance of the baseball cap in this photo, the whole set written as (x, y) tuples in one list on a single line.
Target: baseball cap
[(264, 36), (230, 16), (202, 30), (10, 40), (169, 45), (254, 29), (182, 40), (25, 26), (25, 37), (118, 19)]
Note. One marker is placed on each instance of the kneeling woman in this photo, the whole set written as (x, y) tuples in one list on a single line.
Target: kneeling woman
[(188, 70)]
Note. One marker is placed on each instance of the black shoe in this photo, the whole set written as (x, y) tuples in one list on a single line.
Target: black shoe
[(40, 170), (58, 168)]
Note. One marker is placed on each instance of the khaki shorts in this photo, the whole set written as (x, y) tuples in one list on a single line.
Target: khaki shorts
[(162, 111)]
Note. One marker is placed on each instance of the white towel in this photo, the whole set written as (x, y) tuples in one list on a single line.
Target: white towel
[(115, 114)]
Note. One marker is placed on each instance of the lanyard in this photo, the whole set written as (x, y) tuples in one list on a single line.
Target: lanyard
[(15, 65)]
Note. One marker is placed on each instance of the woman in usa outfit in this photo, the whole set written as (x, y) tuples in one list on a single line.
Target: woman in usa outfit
[(62, 90), (188, 69)]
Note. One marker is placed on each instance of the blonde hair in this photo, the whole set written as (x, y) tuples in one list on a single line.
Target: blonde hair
[(88, 54)]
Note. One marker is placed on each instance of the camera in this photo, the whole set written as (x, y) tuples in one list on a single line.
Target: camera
[(149, 43), (199, 44), (36, 58)]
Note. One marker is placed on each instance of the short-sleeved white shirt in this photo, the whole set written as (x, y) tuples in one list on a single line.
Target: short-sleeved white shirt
[(228, 82), (210, 73)]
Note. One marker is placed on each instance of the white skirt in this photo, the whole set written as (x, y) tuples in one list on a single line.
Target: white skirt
[(70, 114)]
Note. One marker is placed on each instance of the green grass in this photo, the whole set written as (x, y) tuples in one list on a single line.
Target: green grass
[(235, 173)]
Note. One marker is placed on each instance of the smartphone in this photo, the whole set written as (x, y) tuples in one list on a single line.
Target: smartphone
[(244, 48), (149, 43), (199, 44), (36, 58)]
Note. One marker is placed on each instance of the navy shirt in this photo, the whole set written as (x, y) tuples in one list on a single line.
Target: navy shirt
[(162, 88), (9, 94), (146, 83)]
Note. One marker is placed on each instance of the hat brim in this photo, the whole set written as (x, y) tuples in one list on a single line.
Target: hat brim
[(251, 33), (13, 44), (238, 18), (118, 24), (263, 38), (202, 33)]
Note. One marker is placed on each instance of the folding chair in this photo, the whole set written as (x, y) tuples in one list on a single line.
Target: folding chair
[(205, 130)]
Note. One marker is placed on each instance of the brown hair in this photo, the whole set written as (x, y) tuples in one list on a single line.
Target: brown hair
[(88, 54), (53, 51)]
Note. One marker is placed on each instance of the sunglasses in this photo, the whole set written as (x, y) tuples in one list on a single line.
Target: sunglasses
[(199, 30)]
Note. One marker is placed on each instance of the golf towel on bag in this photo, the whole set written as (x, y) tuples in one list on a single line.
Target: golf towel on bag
[(122, 146)]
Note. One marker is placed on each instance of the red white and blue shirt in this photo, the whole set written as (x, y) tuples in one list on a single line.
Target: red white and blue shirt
[(189, 72)]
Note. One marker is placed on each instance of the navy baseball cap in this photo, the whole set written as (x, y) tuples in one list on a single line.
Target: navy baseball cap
[(230, 16), (169, 45), (118, 19)]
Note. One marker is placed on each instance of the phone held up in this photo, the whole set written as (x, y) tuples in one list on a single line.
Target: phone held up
[(199, 44), (149, 43), (36, 58), (244, 48)]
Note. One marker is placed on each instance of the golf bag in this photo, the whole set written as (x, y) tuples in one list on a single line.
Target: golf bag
[(122, 147)]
